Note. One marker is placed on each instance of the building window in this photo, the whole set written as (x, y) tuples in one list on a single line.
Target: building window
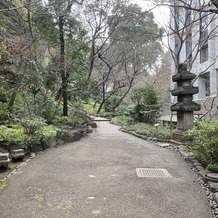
[(203, 37), (177, 18), (204, 25), (204, 53), (188, 43), (204, 85)]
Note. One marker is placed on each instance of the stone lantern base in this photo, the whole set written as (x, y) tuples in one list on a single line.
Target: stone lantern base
[(184, 122)]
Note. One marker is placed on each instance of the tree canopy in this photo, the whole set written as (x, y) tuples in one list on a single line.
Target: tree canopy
[(71, 56)]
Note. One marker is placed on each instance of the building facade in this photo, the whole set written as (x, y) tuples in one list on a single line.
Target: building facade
[(194, 41)]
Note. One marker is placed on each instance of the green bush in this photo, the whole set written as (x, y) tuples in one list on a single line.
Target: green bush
[(4, 112), (3, 94), (49, 131), (213, 167), (124, 108), (110, 104), (43, 134), (146, 104), (165, 132), (49, 108), (32, 125), (41, 103), (78, 114), (203, 141)]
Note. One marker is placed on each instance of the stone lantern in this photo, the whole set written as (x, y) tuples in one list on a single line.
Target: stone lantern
[(185, 105)]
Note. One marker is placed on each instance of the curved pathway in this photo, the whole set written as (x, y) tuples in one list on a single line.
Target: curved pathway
[(96, 177)]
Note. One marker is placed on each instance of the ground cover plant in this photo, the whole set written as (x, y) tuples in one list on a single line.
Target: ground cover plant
[(23, 134), (145, 129), (2, 185), (12, 133)]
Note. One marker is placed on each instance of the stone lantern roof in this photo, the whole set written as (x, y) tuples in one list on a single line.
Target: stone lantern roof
[(184, 75), (185, 90), (191, 106)]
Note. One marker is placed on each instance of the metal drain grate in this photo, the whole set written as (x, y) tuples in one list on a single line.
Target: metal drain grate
[(152, 172)]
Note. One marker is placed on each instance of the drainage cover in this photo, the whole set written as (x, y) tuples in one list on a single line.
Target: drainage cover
[(152, 172)]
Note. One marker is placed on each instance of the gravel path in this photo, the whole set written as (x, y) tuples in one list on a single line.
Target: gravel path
[(96, 177)]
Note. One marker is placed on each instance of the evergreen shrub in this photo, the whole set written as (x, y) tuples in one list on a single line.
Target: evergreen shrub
[(203, 142)]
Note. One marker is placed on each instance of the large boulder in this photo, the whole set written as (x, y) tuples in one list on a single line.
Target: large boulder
[(92, 124), (73, 136)]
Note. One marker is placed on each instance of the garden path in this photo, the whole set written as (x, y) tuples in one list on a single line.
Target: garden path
[(96, 177)]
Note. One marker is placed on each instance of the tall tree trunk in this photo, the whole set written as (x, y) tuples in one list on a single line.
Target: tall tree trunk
[(62, 66), (103, 98), (125, 94), (13, 97), (16, 88)]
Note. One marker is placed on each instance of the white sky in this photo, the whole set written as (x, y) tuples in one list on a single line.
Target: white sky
[(161, 13)]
